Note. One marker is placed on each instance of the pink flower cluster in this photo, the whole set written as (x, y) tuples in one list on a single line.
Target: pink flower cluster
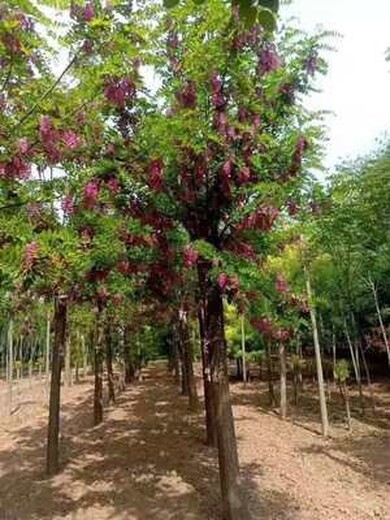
[(262, 219), (80, 13), (187, 96), (113, 186), (71, 139), (67, 205), (269, 60), (267, 327), (91, 194), (30, 255), (217, 97), (52, 139), (190, 256), (241, 249), (119, 91), (17, 168), (156, 175), (301, 146), (228, 283), (281, 284)]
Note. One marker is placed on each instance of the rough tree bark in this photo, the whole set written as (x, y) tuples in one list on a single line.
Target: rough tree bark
[(283, 380), (85, 356), (211, 427), (128, 355), (110, 371), (59, 345), (68, 375), (175, 358), (98, 369), (233, 505), (183, 366), (271, 393), (186, 347)]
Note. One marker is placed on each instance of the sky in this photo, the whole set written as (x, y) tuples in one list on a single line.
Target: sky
[(357, 87)]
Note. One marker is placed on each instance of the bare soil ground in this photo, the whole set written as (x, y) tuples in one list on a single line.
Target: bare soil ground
[(147, 461)]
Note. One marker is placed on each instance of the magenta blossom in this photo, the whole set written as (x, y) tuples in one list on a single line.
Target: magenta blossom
[(89, 12), (118, 91), (30, 255), (244, 175), (23, 146), (187, 95), (46, 127), (156, 175), (191, 256), (263, 325), (67, 205), (269, 60), (114, 186), (262, 219), (216, 88), (17, 168), (91, 193), (71, 139), (102, 295), (281, 284), (226, 282), (227, 169)]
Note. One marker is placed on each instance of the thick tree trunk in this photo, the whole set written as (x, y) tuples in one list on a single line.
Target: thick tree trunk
[(110, 371), (211, 427), (59, 345), (233, 506), (271, 393), (98, 370), (186, 348), (283, 380), (317, 350), (128, 355)]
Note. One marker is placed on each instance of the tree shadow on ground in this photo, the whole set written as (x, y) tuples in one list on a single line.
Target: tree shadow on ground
[(369, 455), (307, 413), (146, 461)]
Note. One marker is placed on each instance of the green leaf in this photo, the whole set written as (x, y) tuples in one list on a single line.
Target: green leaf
[(272, 5), (170, 3), (248, 12), (267, 20)]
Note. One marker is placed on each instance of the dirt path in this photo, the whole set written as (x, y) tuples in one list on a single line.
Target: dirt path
[(147, 461)]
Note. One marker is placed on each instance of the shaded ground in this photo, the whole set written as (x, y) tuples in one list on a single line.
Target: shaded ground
[(148, 461)]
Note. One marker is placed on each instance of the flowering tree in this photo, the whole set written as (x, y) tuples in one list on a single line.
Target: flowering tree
[(228, 142)]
